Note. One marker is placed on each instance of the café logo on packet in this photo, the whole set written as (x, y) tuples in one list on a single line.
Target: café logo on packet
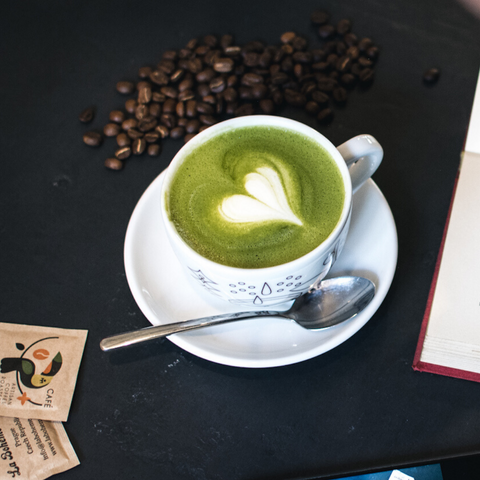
[(38, 370), (34, 369)]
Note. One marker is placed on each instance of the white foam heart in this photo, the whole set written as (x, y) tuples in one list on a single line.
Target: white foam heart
[(267, 201)]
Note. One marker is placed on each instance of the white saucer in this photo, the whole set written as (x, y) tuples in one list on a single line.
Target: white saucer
[(165, 295)]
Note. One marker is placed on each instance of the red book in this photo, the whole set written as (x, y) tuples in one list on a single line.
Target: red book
[(449, 341)]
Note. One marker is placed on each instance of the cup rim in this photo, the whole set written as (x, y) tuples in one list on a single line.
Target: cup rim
[(246, 121)]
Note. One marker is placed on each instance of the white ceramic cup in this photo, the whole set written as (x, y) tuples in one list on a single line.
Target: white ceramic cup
[(357, 159)]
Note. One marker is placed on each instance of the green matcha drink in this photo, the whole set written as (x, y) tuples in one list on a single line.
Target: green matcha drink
[(256, 197)]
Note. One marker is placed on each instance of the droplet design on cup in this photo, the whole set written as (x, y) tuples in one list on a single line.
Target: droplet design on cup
[(266, 290)]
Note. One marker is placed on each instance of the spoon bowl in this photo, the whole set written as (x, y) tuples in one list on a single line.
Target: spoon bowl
[(333, 301)]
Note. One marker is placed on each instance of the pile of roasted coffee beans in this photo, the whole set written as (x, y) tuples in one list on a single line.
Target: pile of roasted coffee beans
[(212, 79)]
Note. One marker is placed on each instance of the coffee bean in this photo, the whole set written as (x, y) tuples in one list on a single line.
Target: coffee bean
[(154, 150), (169, 106), (147, 124), (144, 72), (130, 105), (279, 78), (245, 109), (151, 137), (230, 108), (325, 115), (287, 49), (86, 116), (169, 55), (180, 109), (320, 97), (340, 95), (116, 116), (123, 153), (129, 123), (319, 17), (217, 85), (245, 93), (277, 97), (312, 108), (123, 140), (294, 98), (267, 106), (321, 66), (353, 52), (350, 39), (158, 97), (192, 126), (364, 44), (113, 163), (210, 99), (111, 129), (144, 95), (302, 57), (133, 133), (223, 65), (251, 59), (287, 37), (186, 84), (344, 64), (332, 59), (185, 95), (204, 108), (154, 110), (207, 119), (169, 120), (259, 91), (202, 128), (177, 132), (326, 31), (138, 146), (159, 78), (364, 61), (356, 69), (431, 75), (125, 88), (299, 43), (177, 75), (203, 90), (191, 108), (373, 52), (348, 79), (141, 111), (205, 76), (169, 92), (344, 26), (366, 76), (230, 95), (93, 139), (232, 51), (327, 84), (250, 79), (162, 130), (166, 66)]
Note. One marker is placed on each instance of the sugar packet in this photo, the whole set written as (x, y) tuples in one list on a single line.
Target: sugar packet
[(38, 370), (34, 449)]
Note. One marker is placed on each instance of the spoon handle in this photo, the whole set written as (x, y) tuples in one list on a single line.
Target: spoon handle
[(159, 331)]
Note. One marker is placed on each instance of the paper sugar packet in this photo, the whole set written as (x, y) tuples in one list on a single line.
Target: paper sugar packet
[(34, 449), (38, 370)]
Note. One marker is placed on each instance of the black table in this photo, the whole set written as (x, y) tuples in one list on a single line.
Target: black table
[(156, 411)]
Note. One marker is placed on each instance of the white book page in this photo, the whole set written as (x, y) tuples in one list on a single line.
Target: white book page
[(455, 314), (472, 143)]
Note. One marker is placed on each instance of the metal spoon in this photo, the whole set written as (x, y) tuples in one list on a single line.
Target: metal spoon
[(334, 301)]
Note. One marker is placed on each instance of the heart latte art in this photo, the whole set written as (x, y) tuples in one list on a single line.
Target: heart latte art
[(267, 202), (255, 197)]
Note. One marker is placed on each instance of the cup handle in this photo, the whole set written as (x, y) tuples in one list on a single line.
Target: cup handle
[(363, 154)]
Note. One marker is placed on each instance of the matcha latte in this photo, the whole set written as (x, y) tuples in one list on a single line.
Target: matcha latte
[(255, 197)]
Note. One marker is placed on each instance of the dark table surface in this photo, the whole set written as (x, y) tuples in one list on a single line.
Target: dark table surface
[(159, 412)]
